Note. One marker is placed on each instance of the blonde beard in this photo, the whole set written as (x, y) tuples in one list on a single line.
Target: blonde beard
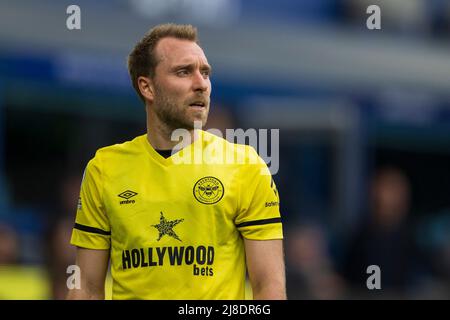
[(170, 114)]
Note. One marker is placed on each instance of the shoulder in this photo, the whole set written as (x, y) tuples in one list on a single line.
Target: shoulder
[(117, 152), (121, 149)]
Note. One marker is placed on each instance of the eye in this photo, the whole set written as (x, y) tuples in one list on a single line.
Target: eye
[(182, 72), (206, 73)]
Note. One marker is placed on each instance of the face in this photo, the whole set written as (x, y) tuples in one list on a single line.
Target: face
[(391, 193), (181, 84)]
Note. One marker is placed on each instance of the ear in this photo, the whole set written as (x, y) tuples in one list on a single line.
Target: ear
[(146, 87)]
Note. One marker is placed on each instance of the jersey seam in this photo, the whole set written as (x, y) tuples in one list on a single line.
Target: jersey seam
[(242, 167), (239, 193), (102, 191)]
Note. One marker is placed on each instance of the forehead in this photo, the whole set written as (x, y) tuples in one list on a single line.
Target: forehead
[(174, 51)]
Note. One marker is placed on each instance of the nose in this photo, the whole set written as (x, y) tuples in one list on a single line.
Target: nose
[(199, 82)]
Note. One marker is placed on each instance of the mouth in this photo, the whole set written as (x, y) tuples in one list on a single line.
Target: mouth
[(197, 104)]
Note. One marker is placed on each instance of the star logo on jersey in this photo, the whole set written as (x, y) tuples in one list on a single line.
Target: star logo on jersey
[(208, 190), (165, 227)]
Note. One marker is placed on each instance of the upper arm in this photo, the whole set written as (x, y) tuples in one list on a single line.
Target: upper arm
[(93, 266), (258, 213), (265, 265), (259, 222), (91, 235)]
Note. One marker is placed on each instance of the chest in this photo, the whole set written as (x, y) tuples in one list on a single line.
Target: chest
[(153, 206)]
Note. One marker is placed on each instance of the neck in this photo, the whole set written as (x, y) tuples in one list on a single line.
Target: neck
[(159, 135)]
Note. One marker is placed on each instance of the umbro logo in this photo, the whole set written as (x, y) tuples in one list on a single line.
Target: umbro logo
[(127, 195)]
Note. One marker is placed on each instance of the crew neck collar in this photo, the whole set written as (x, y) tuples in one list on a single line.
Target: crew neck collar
[(184, 152)]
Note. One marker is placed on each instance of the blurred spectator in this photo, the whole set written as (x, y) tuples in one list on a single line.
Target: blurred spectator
[(310, 273), (59, 253), (9, 245), (385, 240), (70, 192)]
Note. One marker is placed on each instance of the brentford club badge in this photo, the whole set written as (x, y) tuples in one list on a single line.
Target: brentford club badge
[(208, 190)]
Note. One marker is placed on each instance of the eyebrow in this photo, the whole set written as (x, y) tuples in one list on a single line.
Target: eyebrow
[(190, 66)]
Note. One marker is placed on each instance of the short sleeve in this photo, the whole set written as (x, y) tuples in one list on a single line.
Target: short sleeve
[(259, 216), (92, 229)]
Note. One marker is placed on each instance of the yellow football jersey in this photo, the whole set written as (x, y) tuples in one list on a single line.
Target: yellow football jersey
[(175, 226)]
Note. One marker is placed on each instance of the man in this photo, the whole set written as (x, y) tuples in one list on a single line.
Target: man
[(385, 239), (177, 230)]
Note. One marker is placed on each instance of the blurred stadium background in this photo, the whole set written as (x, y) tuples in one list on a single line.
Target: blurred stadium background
[(364, 119)]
